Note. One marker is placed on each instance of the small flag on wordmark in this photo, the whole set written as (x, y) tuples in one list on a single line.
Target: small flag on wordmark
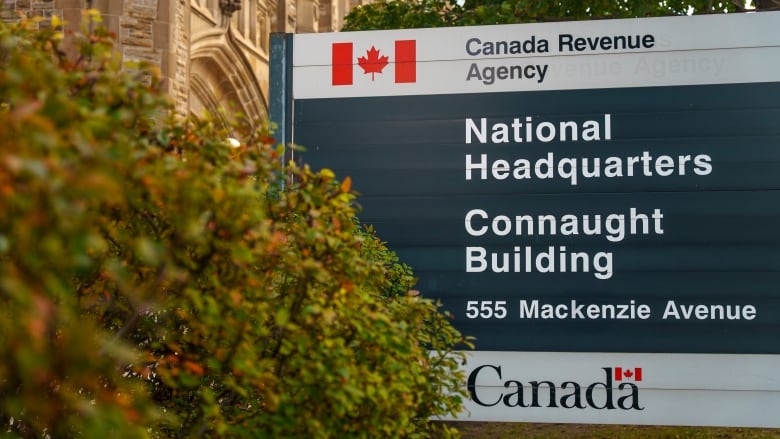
[(634, 374)]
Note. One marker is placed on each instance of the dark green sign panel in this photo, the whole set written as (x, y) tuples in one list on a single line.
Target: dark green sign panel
[(602, 220)]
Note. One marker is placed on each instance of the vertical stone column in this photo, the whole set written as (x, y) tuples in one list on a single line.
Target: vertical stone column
[(137, 32), (308, 16), (179, 55)]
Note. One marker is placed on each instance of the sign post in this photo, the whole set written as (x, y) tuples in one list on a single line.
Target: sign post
[(596, 202)]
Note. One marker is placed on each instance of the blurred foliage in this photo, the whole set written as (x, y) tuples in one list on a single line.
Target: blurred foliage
[(406, 14), (156, 282)]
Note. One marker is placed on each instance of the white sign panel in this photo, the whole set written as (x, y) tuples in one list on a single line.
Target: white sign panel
[(609, 388), (555, 56)]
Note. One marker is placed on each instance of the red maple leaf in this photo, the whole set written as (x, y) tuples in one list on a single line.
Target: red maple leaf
[(373, 64)]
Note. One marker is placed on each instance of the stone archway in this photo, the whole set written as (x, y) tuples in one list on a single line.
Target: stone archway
[(222, 82)]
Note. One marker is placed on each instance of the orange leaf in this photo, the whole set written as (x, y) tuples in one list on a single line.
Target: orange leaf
[(237, 297), (193, 367), (348, 286), (346, 185), (132, 415)]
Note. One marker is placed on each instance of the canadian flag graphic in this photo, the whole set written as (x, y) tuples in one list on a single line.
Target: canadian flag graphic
[(628, 374), (374, 61)]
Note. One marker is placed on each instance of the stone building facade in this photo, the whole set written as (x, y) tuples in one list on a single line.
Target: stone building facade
[(213, 54)]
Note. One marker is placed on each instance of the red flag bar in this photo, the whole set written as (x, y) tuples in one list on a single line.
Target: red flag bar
[(342, 63), (405, 61)]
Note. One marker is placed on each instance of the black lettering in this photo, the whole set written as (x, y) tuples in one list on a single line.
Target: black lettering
[(575, 393), (564, 40), (502, 47), (607, 385), (472, 384), (517, 394), (634, 397), (535, 393), (529, 46), (599, 395), (469, 50), (473, 73)]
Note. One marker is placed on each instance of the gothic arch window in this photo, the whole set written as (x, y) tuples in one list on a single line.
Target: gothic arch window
[(222, 77), (263, 30)]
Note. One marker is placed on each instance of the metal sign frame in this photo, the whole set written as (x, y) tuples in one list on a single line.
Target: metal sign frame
[(597, 202)]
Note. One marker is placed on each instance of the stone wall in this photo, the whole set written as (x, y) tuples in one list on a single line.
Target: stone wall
[(179, 56), (210, 56), (32, 8)]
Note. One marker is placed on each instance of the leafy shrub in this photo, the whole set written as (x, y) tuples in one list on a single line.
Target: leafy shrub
[(406, 14), (155, 282)]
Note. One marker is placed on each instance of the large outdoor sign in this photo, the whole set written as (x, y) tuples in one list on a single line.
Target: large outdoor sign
[(598, 203)]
